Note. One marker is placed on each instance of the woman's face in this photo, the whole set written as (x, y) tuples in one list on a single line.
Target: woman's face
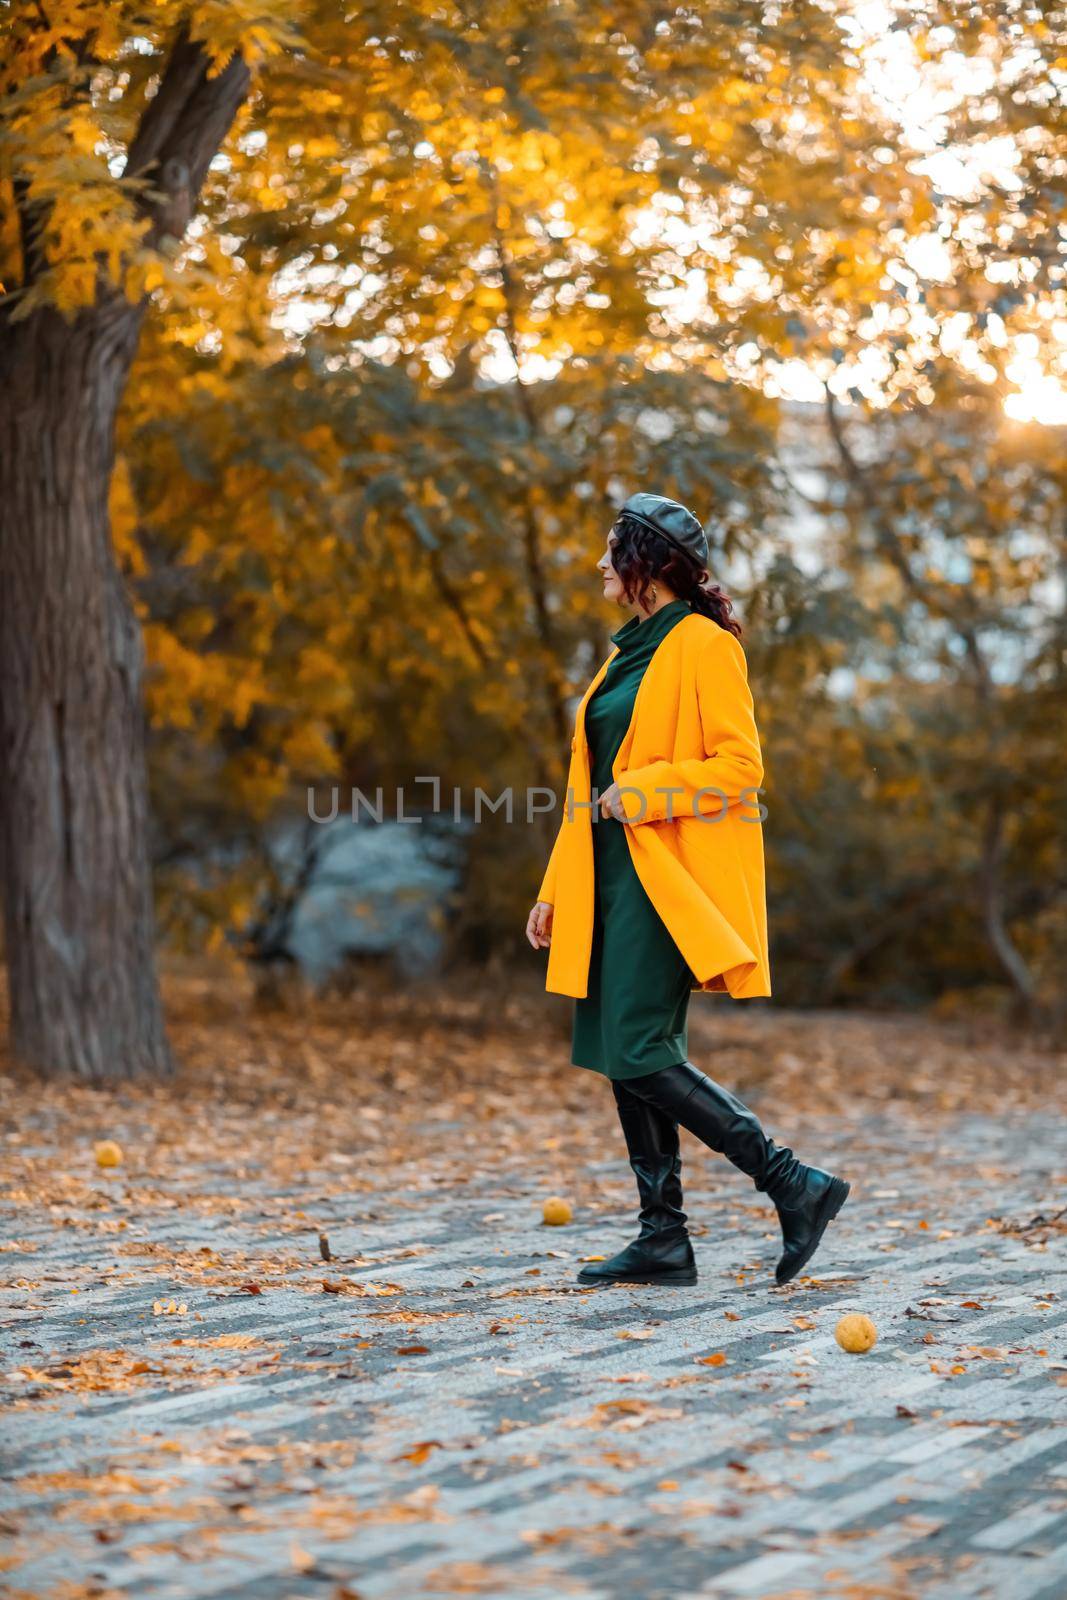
[(613, 589)]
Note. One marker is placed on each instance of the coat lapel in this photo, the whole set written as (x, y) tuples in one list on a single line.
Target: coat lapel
[(659, 658), (579, 715)]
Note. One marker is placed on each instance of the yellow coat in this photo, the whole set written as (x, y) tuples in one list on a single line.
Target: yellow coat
[(699, 856)]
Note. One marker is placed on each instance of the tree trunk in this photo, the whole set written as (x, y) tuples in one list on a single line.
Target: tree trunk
[(73, 812), (74, 860), (1001, 942)]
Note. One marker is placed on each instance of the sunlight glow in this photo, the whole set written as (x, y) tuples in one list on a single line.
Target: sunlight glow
[(1040, 397)]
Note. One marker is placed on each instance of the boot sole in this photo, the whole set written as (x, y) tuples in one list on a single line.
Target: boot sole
[(833, 1200), (680, 1276)]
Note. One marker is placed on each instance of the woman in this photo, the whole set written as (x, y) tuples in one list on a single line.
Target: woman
[(655, 887)]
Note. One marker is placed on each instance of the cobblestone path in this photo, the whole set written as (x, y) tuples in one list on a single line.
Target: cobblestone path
[(197, 1404)]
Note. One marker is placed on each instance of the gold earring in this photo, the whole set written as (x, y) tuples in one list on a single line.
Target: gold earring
[(654, 593)]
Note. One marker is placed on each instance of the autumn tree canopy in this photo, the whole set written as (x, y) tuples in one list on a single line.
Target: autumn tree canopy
[(430, 289)]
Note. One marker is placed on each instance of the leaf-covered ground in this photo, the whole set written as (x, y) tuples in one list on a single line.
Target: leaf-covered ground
[(311, 1338)]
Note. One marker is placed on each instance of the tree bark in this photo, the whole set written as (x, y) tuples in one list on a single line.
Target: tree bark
[(1001, 942), (74, 857), (73, 813)]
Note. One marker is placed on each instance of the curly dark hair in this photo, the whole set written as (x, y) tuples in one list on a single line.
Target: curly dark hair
[(639, 556)]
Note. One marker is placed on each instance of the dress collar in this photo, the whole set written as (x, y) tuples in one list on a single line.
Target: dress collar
[(638, 629)]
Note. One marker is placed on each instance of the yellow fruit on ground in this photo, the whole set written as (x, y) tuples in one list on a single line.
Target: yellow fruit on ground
[(108, 1153), (855, 1333), (556, 1212)]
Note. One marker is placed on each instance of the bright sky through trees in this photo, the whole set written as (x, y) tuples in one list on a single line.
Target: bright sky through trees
[(916, 93)]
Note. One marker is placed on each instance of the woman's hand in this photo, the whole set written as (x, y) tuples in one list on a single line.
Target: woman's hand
[(539, 925), (611, 803)]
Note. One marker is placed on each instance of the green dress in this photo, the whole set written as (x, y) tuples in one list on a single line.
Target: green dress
[(633, 1019)]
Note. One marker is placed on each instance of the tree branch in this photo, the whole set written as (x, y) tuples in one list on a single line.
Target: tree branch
[(181, 75), (181, 130), (894, 551), (534, 557), (911, 910), (993, 841), (455, 604), (1007, 953)]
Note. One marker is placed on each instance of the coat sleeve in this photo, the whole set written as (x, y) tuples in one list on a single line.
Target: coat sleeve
[(732, 760)]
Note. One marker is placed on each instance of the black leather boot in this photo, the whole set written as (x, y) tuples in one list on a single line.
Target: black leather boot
[(806, 1198), (661, 1253)]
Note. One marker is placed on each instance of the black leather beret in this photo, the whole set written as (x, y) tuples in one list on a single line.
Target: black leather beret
[(672, 521)]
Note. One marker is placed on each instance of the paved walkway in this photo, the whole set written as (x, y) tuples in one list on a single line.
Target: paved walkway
[(200, 1405)]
